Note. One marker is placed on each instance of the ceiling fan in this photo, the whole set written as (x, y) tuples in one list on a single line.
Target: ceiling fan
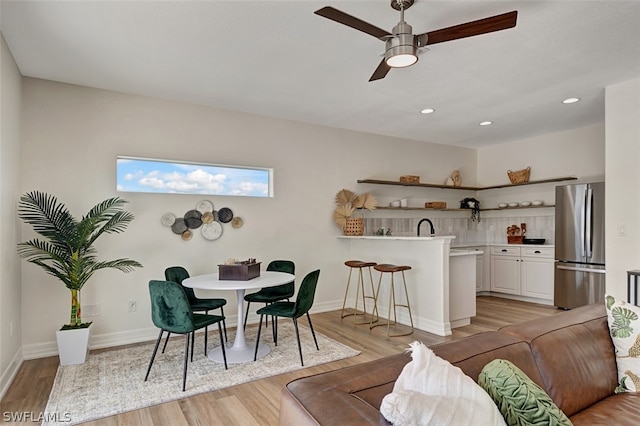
[(402, 46)]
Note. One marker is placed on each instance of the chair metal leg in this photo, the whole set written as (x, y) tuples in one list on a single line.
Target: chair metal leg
[(155, 349), (224, 352), (206, 335), (193, 340), (274, 324), (312, 332), (166, 341), (295, 324), (255, 354), (186, 358), (224, 323)]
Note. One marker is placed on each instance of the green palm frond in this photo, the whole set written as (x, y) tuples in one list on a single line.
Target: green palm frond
[(622, 318), (67, 250)]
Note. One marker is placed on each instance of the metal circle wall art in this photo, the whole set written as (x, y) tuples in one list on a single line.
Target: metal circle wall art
[(225, 215), (193, 218), (205, 217)]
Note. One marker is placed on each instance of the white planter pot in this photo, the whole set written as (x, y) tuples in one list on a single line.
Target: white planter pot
[(73, 345)]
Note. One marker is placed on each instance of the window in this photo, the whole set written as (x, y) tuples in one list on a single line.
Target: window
[(177, 177)]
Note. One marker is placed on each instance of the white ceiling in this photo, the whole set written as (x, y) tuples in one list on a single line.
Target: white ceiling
[(276, 58)]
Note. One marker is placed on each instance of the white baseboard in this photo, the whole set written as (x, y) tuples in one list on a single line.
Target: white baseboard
[(10, 372), (107, 340)]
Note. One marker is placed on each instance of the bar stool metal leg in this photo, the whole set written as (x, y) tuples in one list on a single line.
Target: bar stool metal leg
[(360, 287), (386, 268)]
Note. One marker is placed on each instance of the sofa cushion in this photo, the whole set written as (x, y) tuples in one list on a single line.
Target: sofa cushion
[(431, 391), (617, 410), (573, 352), (519, 399), (624, 326), (472, 353)]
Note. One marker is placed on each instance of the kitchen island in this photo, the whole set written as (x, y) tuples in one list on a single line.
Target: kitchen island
[(441, 297)]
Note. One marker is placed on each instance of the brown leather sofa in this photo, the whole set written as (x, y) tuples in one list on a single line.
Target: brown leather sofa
[(570, 355)]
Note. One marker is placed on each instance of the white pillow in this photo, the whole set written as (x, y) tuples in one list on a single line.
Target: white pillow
[(430, 391), (624, 326)]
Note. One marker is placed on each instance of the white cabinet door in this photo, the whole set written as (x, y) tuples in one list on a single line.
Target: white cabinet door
[(482, 268), (537, 277), (505, 274), (480, 272)]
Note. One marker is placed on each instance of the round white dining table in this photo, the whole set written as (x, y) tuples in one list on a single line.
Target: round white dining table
[(239, 351)]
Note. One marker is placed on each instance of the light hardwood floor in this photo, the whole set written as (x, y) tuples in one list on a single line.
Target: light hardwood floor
[(257, 403)]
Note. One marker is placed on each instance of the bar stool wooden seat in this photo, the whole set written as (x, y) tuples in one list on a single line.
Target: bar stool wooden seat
[(392, 269), (359, 265)]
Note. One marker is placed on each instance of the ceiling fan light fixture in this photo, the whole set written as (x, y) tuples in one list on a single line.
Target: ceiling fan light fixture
[(401, 50)]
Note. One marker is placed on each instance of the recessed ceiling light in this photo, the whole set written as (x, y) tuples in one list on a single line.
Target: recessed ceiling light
[(570, 100), (486, 123), (427, 111)]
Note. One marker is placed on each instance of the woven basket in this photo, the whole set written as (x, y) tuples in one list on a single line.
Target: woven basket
[(354, 226), (519, 176)]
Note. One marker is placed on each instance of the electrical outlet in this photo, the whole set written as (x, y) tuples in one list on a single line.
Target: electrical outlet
[(133, 305), (91, 310)]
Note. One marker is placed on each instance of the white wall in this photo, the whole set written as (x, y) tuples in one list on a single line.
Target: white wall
[(70, 141), (10, 301), (578, 152), (622, 111)]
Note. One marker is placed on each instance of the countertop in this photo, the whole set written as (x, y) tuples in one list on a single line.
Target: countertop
[(379, 237), (454, 244)]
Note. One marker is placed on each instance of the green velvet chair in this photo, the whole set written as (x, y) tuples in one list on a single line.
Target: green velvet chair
[(177, 274), (293, 310), (171, 312), (269, 295)]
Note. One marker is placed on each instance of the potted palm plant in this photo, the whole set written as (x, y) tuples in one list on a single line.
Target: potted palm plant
[(67, 252)]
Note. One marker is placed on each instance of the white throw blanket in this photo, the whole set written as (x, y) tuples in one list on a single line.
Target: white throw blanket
[(432, 392)]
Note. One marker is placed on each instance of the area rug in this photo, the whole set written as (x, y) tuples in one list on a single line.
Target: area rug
[(112, 382)]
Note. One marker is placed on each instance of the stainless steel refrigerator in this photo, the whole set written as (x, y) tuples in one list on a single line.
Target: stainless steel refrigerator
[(579, 277)]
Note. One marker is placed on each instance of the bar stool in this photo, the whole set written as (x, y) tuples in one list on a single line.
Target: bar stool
[(388, 268), (359, 265)]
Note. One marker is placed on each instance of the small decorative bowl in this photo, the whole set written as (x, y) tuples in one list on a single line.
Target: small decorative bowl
[(502, 205), (394, 204), (525, 203), (513, 204), (537, 203)]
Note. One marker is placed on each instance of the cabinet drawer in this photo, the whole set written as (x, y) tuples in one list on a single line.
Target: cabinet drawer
[(507, 251), (538, 251)]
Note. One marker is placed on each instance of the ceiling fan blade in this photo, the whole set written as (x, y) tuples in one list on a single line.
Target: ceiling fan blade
[(351, 21), (469, 29), (381, 71)]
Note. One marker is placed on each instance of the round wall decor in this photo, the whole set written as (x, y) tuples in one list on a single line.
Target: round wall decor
[(211, 231)]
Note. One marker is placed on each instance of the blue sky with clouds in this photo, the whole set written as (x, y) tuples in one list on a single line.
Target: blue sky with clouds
[(143, 175)]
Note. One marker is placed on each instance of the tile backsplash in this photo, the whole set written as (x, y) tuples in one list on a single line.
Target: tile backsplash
[(489, 230)]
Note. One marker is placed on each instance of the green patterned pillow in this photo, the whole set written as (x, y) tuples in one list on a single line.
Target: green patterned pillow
[(520, 400), (624, 327)]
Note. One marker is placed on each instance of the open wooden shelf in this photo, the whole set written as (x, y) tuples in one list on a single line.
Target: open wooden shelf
[(421, 208), (465, 210), (468, 188), (519, 207)]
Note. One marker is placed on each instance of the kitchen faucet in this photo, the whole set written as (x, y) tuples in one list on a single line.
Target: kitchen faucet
[(433, 231)]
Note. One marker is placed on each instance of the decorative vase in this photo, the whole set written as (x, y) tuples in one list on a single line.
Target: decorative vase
[(73, 345), (354, 226)]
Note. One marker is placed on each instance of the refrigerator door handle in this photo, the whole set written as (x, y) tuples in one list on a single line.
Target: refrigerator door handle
[(583, 221), (574, 268), (589, 223)]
